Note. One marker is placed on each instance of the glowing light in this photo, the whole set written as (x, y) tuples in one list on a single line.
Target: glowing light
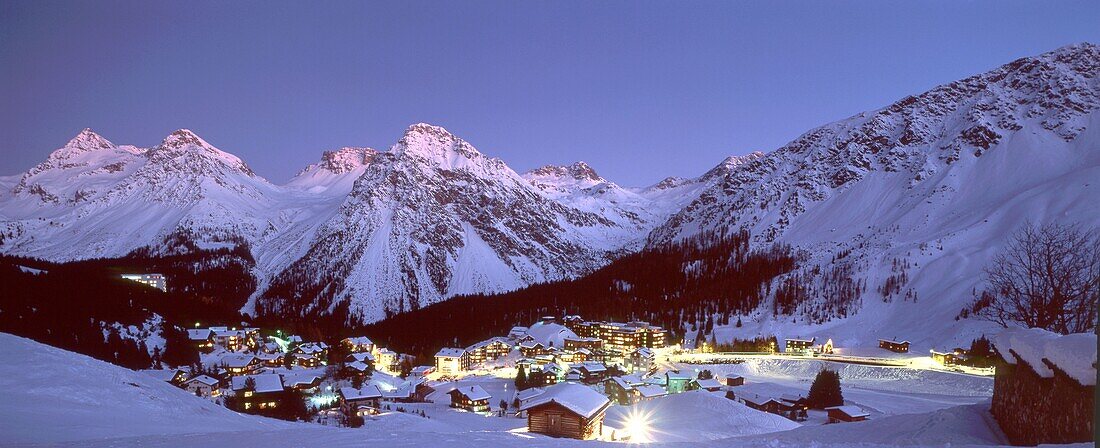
[(637, 427)]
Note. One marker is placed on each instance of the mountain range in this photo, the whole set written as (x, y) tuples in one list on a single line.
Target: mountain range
[(904, 204)]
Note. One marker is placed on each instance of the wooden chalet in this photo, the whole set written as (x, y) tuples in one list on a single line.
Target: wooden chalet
[(894, 346), (258, 391), (799, 345), (763, 403), (946, 358), (203, 386), (470, 398), (567, 410), (735, 380), (364, 401), (174, 377), (848, 413), (360, 344), (240, 364), (709, 385), (592, 372)]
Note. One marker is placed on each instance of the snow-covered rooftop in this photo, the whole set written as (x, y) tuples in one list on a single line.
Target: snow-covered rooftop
[(849, 410), (267, 382), (1074, 354), (365, 393), (473, 393), (577, 398), (450, 352)]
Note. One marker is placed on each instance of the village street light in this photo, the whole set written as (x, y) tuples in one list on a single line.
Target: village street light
[(636, 426)]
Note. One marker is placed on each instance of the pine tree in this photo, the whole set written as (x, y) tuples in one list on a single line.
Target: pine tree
[(825, 390), (521, 379)]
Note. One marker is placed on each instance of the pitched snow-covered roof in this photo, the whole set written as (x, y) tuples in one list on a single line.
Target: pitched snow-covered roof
[(358, 365), (362, 357), (644, 352), (204, 379), (651, 390), (267, 382), (893, 341), (849, 410), (162, 374), (593, 366), (757, 398), (473, 393), (450, 352), (708, 383), (298, 379), (672, 375), (366, 393), (1074, 354), (579, 399), (359, 340), (528, 394), (550, 334), (237, 360), (199, 334)]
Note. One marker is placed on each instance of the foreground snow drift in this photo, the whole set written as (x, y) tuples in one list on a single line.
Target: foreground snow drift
[(698, 416), (51, 395)]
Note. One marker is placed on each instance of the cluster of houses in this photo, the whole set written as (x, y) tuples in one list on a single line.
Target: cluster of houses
[(574, 350), (253, 390)]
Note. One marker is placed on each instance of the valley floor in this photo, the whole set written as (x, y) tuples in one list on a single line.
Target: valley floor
[(57, 398)]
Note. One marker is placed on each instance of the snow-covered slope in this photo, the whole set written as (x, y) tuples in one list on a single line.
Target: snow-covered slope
[(51, 395), (432, 218), (335, 174), (915, 198)]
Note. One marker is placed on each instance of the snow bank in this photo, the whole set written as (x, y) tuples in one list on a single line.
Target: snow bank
[(1074, 354), (51, 395), (961, 425), (698, 416)]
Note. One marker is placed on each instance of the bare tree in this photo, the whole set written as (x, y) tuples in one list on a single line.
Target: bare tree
[(1048, 277)]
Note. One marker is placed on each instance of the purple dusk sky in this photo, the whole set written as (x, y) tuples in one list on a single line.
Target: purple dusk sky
[(641, 91)]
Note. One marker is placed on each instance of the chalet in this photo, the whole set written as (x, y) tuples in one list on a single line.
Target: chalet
[(642, 360), (796, 402), (202, 339), (800, 345), (488, 350), (894, 346), (229, 339), (946, 358), (567, 410), (520, 397), (272, 359), (240, 364), (517, 332), (364, 401), (577, 342), (650, 391), (451, 361), (547, 375), (203, 386), (303, 382), (360, 344), (318, 350), (174, 377), (531, 347), (709, 385), (592, 372), (387, 360), (357, 369), (258, 391), (763, 403), (362, 357), (421, 390), (735, 380), (676, 382), (307, 361), (848, 413), (583, 354), (470, 398), (623, 389)]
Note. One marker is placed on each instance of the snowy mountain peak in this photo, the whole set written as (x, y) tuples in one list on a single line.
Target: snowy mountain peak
[(189, 152), (731, 163), (183, 138), (86, 141), (435, 144), (346, 159)]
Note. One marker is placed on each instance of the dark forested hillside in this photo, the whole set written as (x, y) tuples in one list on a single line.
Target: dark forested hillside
[(672, 285), (86, 307)]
